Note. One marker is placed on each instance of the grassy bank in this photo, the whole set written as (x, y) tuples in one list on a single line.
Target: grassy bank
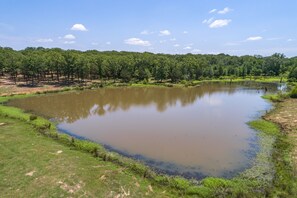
[(33, 165), (286, 156), (284, 183), (269, 176)]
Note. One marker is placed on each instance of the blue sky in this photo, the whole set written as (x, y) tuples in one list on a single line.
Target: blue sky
[(236, 27)]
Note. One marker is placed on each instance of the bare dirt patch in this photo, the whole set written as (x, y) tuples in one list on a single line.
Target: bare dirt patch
[(8, 87), (30, 173), (59, 152), (70, 189)]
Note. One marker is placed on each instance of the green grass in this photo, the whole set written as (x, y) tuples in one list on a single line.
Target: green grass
[(265, 127), (279, 97), (272, 97), (284, 183), (254, 79)]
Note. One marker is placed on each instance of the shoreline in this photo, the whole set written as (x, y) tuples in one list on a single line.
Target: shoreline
[(246, 182), (12, 89)]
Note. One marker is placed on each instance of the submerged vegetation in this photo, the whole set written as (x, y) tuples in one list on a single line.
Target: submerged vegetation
[(271, 174)]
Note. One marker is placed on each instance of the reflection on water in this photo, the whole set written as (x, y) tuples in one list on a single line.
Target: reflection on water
[(194, 132)]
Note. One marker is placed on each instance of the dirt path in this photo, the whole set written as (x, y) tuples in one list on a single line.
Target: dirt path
[(286, 116)]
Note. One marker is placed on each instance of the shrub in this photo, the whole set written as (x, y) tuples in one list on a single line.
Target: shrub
[(145, 81), (32, 117), (293, 74), (293, 93)]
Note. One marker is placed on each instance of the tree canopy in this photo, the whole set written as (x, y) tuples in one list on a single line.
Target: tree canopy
[(40, 64)]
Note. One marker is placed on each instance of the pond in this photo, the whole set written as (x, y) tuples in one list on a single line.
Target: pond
[(193, 132)]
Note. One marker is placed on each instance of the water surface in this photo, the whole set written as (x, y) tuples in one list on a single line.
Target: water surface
[(194, 132)]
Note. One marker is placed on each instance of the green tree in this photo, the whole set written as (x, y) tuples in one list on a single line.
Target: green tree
[(293, 74), (161, 70), (174, 71), (56, 63), (13, 62)]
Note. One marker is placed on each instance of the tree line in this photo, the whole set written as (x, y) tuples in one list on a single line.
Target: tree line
[(57, 65)]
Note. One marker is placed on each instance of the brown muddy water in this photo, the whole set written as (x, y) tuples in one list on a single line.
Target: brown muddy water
[(193, 132)]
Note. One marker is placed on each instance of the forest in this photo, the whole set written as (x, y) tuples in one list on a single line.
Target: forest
[(34, 65)]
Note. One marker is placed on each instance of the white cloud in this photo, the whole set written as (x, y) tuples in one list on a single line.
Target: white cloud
[(173, 39), (69, 42), (254, 38), (163, 41), (224, 11), (289, 40), (208, 21), (137, 41), (69, 37), (108, 43), (185, 32), (220, 23), (165, 33), (44, 40), (212, 11), (79, 27), (146, 32), (94, 43), (187, 48), (196, 51), (176, 45)]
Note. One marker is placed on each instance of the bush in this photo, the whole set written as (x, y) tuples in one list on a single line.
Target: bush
[(293, 93), (293, 75), (32, 117)]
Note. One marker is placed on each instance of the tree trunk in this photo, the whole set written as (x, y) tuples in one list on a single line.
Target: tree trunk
[(58, 76), (15, 78)]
